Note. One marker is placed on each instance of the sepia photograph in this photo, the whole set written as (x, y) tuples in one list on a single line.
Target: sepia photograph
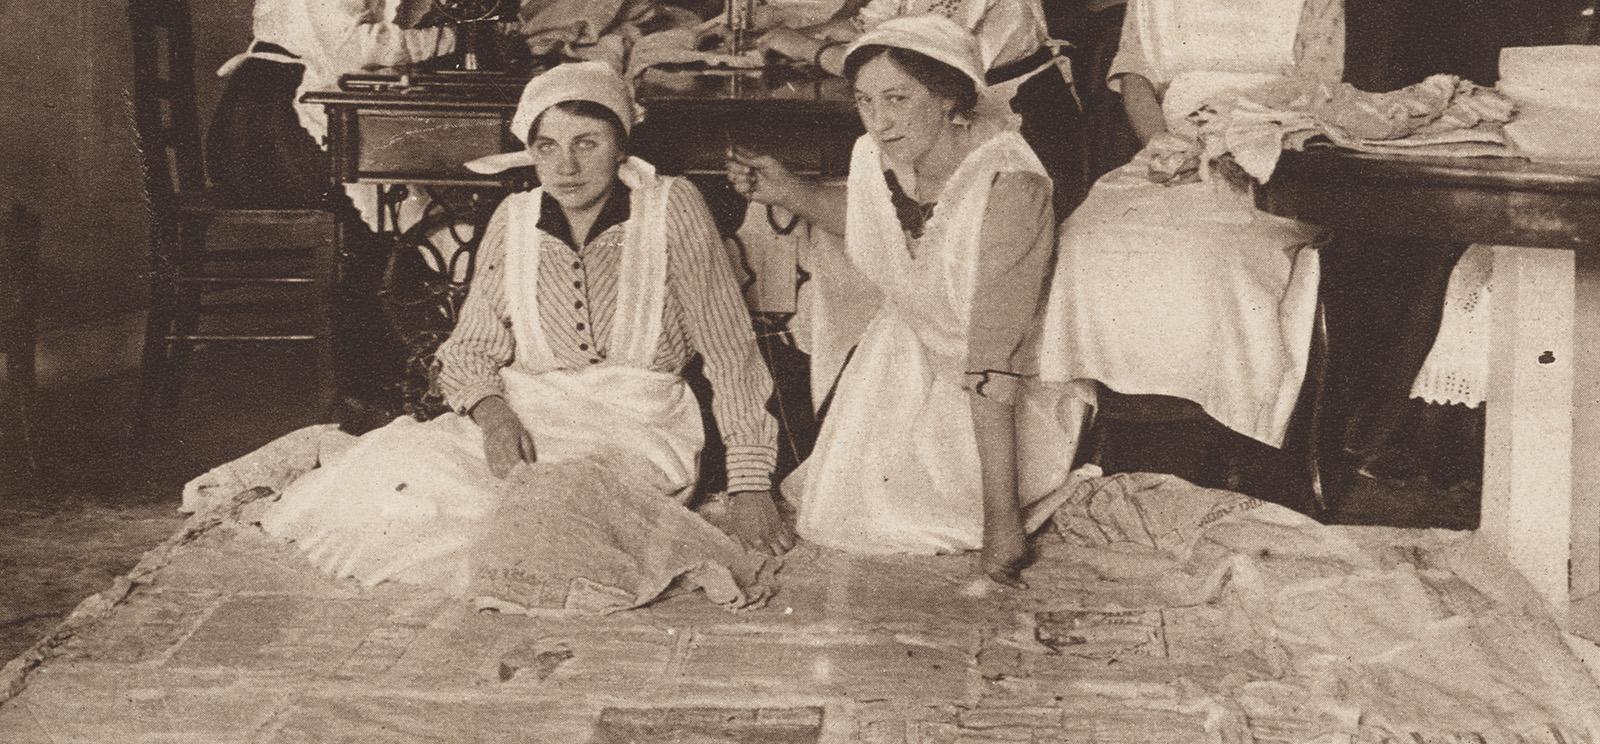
[(800, 371)]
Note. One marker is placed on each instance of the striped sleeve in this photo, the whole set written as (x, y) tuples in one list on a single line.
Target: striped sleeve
[(481, 343), (702, 279)]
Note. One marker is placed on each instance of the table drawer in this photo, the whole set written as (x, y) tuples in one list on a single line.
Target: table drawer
[(425, 148)]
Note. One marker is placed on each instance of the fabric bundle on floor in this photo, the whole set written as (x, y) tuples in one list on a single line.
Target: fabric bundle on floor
[(1363, 644), (568, 538)]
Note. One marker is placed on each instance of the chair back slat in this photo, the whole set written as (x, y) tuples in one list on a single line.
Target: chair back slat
[(165, 118)]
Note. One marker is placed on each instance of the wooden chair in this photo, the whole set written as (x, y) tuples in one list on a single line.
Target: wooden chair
[(184, 265), (19, 276)]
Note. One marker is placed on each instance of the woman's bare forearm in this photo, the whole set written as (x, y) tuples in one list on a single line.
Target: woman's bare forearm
[(1143, 106), (994, 425), (821, 204)]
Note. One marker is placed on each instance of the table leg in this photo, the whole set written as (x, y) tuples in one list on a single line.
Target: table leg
[(1586, 429), (1527, 479)]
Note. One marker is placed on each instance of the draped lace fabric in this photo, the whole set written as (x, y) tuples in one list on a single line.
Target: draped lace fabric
[(1457, 369)]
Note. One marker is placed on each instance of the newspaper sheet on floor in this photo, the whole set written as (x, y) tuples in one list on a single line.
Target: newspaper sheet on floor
[(1159, 612)]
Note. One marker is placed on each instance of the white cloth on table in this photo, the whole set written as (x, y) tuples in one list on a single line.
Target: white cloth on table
[(408, 500), (1457, 368), (1189, 290), (1555, 89), (896, 468)]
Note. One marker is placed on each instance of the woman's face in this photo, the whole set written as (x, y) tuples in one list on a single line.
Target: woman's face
[(904, 116), (576, 158)]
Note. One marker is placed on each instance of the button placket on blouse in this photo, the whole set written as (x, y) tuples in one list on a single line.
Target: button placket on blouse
[(586, 325)]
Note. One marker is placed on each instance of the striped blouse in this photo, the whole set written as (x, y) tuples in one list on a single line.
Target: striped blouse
[(705, 313)]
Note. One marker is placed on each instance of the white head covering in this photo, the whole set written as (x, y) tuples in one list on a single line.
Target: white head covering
[(946, 41), (573, 81), (932, 35)]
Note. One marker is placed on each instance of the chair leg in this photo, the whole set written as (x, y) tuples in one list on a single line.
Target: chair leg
[(154, 366), (1317, 375), (22, 388), (186, 313), (324, 269)]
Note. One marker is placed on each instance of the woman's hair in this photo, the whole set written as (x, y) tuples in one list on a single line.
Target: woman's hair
[(939, 78), (587, 110)]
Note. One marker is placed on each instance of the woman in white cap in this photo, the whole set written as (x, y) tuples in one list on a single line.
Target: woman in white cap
[(1170, 282), (592, 293), (1019, 63), (947, 211)]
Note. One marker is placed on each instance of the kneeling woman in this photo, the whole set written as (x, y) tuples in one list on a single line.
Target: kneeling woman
[(592, 294), (948, 212)]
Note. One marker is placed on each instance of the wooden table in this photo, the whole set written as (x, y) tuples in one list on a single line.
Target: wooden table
[(415, 137), (420, 136), (1541, 484)]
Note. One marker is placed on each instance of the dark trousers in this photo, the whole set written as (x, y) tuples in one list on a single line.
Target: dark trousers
[(1052, 124), (1108, 139), (258, 155)]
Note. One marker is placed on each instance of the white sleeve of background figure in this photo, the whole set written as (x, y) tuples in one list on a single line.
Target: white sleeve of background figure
[(358, 34)]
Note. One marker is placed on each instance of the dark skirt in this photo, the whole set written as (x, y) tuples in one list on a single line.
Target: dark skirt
[(1052, 124), (1108, 139), (258, 155)]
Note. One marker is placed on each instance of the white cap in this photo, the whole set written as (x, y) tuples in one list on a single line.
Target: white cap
[(573, 81), (934, 36)]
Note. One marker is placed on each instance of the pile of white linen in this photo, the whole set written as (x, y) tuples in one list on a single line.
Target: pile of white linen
[(1557, 90)]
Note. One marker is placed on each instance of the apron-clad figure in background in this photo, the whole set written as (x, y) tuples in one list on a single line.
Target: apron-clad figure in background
[(1012, 42), (592, 294), (1172, 285), (947, 211), (264, 148)]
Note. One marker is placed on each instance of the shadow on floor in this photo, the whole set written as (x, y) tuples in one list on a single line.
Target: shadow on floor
[(93, 508)]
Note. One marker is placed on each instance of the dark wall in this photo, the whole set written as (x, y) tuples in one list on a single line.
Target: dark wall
[(66, 145), (1393, 43)]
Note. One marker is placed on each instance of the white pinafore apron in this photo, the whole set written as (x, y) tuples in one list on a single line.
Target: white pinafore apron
[(1190, 291), (404, 501), (895, 469)]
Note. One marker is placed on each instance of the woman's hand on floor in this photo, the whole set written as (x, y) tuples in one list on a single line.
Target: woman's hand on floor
[(506, 441), (756, 524)]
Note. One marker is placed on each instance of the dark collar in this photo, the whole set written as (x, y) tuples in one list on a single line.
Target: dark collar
[(913, 215), (554, 223)]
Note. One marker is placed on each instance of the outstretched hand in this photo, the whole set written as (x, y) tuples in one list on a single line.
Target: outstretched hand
[(506, 441), (761, 178), (754, 522)]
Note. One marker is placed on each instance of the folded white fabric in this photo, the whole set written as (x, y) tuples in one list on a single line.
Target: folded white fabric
[(1557, 90)]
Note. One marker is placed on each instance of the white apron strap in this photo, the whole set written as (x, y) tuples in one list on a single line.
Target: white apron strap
[(524, 246), (642, 286), (251, 52)]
